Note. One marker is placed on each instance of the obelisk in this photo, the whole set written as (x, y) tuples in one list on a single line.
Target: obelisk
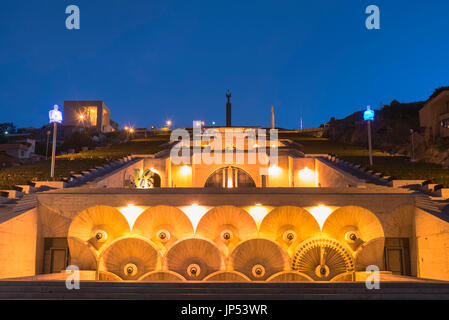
[(228, 109)]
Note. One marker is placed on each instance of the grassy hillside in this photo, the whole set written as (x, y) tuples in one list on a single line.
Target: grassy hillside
[(394, 165), (78, 162)]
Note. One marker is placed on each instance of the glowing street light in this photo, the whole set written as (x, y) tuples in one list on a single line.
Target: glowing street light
[(368, 115), (55, 117), (168, 123)]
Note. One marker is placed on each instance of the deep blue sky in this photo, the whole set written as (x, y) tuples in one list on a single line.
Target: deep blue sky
[(155, 60)]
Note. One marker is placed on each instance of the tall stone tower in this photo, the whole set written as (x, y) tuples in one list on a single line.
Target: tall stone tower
[(228, 109)]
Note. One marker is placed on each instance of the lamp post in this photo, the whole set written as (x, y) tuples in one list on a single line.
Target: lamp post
[(48, 140), (55, 117), (412, 145), (368, 115)]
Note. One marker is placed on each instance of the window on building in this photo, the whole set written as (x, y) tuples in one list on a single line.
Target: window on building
[(445, 123), (230, 177)]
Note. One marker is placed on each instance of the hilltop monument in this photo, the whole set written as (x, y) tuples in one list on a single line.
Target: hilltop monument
[(228, 109)]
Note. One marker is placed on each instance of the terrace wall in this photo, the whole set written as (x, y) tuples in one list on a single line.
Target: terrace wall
[(333, 177), (432, 238), (18, 243), (120, 177)]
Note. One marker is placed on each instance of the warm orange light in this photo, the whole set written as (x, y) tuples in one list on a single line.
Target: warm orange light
[(81, 117), (320, 213), (185, 170), (168, 123), (258, 212), (131, 212), (194, 212), (131, 130), (274, 171), (306, 175), (126, 128), (229, 185)]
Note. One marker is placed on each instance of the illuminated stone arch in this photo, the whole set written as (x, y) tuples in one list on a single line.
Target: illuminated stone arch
[(360, 231), (130, 258), (322, 259), (227, 226), (194, 258), (289, 226), (98, 226), (259, 259), (163, 225), (82, 255), (230, 177)]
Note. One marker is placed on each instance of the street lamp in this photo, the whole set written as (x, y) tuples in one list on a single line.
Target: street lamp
[(55, 117), (368, 115), (48, 140), (412, 145), (168, 123)]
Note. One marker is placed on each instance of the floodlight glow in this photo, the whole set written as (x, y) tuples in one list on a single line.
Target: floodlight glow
[(320, 213), (258, 212), (274, 171), (131, 213), (185, 170), (368, 115), (195, 212), (306, 175), (229, 185)]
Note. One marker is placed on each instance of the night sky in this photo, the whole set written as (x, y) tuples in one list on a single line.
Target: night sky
[(156, 60)]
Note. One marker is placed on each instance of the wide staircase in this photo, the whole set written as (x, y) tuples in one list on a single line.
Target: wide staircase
[(222, 291), (355, 172)]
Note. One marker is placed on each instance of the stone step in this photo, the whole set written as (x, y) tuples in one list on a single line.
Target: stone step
[(204, 290), (27, 202), (424, 202)]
